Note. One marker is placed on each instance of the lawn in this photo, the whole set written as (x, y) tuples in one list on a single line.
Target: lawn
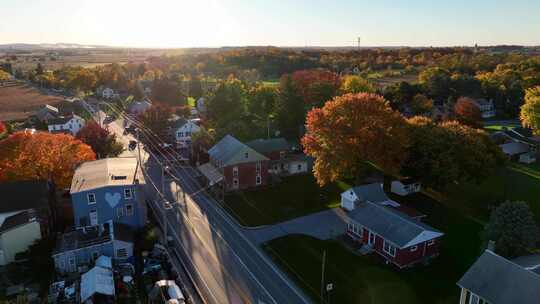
[(366, 279), (294, 196), (516, 181)]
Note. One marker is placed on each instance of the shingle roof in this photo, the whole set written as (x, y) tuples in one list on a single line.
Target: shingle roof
[(228, 150), (392, 225), (371, 192), (106, 172), (24, 195), (62, 119), (514, 148), (269, 145), (522, 135), (500, 281), (18, 219)]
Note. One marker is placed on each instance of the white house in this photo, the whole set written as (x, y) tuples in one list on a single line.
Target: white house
[(487, 108), (405, 186), (139, 107), (66, 124), (201, 105), (183, 129), (17, 233), (108, 93)]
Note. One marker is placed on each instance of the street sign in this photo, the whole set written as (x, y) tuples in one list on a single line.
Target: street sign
[(329, 287)]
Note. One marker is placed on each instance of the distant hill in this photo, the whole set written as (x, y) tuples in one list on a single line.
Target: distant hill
[(48, 46)]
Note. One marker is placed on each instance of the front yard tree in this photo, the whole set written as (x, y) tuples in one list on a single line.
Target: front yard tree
[(513, 228), (156, 119), (443, 154), (42, 156), (352, 131), (530, 111), (290, 110), (102, 142), (227, 106), (467, 112)]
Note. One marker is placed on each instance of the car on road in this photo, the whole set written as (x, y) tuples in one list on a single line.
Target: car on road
[(167, 205), (132, 145)]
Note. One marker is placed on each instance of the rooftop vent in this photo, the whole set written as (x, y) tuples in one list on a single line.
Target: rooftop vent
[(118, 177)]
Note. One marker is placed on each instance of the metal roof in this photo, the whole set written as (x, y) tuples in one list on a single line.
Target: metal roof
[(97, 280), (17, 220), (393, 225), (230, 151), (500, 281), (106, 172), (211, 173)]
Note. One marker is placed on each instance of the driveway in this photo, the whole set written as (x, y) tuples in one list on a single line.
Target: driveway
[(321, 225)]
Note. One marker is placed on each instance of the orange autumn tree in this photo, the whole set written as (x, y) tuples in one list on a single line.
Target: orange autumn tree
[(42, 156), (467, 112), (351, 131)]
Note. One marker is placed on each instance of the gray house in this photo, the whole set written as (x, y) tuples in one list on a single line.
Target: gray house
[(495, 280), (81, 247)]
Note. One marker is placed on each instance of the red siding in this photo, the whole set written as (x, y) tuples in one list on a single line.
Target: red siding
[(247, 173)]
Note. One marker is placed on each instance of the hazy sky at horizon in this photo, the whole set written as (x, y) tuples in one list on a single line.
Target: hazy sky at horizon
[(182, 23)]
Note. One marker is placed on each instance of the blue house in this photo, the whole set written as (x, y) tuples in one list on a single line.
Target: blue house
[(108, 189), (83, 246)]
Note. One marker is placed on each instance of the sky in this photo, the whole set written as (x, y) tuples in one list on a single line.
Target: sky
[(214, 23)]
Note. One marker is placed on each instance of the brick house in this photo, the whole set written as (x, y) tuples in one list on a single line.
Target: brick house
[(283, 160), (235, 165), (379, 224)]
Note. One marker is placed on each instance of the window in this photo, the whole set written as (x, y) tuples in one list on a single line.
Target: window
[(414, 248), (129, 210), (299, 167), (276, 167), (119, 212), (430, 242), (180, 134), (391, 250), (91, 198), (258, 168), (121, 253), (235, 171), (128, 194), (95, 255), (258, 180), (235, 182), (246, 155), (188, 134), (72, 261), (354, 229)]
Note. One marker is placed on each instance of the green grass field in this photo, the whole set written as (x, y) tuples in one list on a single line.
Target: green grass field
[(294, 196), (367, 280)]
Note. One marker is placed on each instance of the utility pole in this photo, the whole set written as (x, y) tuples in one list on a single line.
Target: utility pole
[(268, 127), (322, 274)]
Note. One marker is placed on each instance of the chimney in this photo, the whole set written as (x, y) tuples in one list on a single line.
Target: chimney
[(491, 246)]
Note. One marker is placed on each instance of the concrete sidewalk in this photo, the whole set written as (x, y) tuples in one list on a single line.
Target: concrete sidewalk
[(322, 225)]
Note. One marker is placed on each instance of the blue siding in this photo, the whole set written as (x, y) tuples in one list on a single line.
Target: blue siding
[(105, 212), (82, 256)]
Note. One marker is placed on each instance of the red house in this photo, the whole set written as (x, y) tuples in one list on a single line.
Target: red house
[(236, 165), (377, 224)]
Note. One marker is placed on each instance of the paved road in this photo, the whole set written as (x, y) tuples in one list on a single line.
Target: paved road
[(227, 266), (334, 225)]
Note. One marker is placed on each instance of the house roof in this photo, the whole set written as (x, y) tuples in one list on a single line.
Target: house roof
[(23, 195), (269, 145), (210, 173), (97, 280), (522, 135), (514, 148), (230, 151), (499, 280), (104, 261), (17, 220), (179, 122), (392, 225), (62, 119), (89, 236), (46, 109), (529, 262), (106, 172), (371, 192)]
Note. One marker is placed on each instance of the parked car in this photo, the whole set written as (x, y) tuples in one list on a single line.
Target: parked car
[(151, 265)]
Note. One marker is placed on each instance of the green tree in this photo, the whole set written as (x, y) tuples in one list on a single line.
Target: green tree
[(513, 228), (227, 105), (195, 87), (356, 84), (436, 82), (290, 109), (448, 153), (530, 111)]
